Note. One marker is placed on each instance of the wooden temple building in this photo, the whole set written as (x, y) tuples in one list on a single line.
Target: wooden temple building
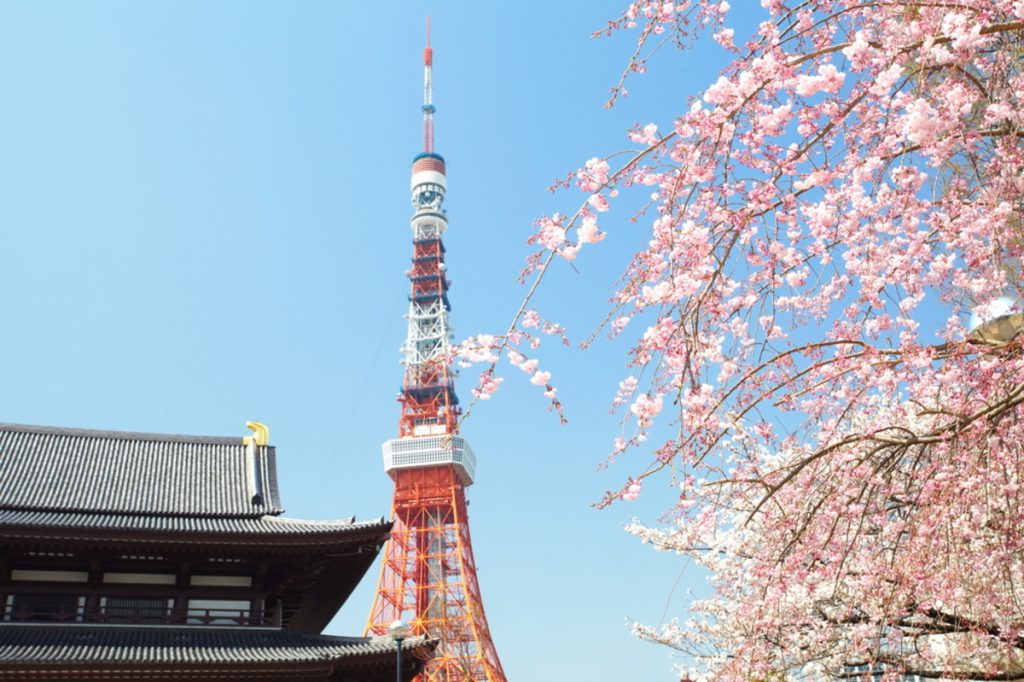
[(129, 556)]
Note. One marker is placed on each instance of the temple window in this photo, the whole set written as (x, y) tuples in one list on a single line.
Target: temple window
[(44, 607), (219, 611), (134, 609)]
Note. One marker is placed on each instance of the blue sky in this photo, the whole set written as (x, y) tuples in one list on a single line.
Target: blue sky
[(204, 212)]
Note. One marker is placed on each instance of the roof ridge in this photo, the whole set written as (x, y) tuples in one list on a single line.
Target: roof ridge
[(134, 513), (122, 435), (274, 517), (39, 521)]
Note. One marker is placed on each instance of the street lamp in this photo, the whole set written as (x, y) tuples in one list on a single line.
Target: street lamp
[(398, 630)]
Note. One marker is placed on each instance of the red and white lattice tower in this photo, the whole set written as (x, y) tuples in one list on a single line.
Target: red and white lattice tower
[(428, 577)]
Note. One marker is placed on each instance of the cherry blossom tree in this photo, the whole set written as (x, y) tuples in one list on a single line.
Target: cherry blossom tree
[(848, 456)]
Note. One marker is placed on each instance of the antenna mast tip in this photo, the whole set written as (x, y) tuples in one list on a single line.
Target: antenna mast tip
[(428, 53)]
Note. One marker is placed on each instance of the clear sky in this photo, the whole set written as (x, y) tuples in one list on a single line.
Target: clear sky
[(204, 210)]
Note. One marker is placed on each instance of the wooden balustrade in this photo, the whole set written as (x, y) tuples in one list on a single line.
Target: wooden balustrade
[(143, 616)]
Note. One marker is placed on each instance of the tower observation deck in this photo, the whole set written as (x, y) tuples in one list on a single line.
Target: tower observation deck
[(428, 576)]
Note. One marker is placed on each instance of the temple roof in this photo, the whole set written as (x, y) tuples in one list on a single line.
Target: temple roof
[(75, 470), (55, 645), (152, 488)]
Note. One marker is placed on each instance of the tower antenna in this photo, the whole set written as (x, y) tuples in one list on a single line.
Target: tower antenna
[(428, 95)]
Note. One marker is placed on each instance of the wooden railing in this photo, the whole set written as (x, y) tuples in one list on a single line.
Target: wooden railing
[(143, 616)]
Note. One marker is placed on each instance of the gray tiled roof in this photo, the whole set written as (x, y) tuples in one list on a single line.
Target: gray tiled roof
[(97, 645), (267, 525), (78, 470)]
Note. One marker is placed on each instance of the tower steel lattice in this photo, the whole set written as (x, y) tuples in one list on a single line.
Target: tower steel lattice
[(428, 576)]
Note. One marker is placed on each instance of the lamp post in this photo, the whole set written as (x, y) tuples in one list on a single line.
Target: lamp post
[(398, 630)]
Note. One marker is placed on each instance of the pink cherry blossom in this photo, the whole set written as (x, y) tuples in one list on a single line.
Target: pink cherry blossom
[(479, 348), (599, 202), (828, 79), (725, 38), (619, 324), (588, 232), (551, 232), (821, 220), (488, 385), (632, 491), (540, 378), (646, 408)]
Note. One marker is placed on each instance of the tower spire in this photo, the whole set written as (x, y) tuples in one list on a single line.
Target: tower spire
[(428, 575), (428, 95)]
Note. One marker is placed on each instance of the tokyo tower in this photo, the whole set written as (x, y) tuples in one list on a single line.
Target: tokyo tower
[(428, 577)]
